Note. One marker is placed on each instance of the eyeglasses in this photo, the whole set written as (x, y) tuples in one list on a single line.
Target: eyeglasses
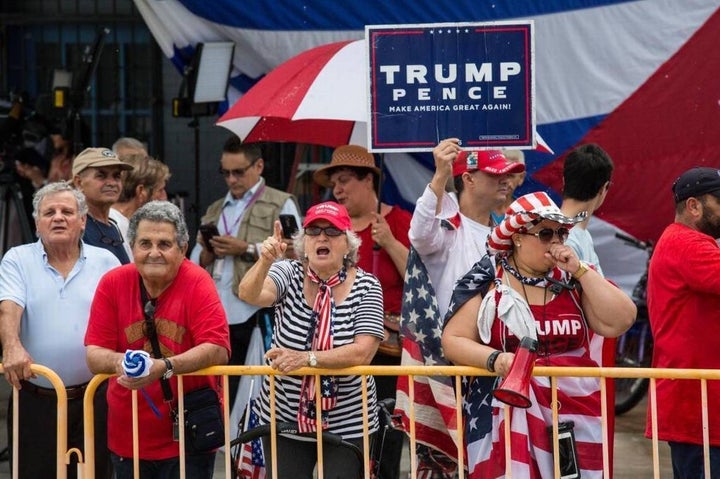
[(546, 234), (329, 231), (237, 172)]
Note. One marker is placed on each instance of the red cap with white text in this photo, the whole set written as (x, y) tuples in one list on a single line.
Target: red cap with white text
[(330, 211)]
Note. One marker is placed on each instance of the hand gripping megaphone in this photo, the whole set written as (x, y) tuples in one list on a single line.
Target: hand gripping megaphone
[(515, 388)]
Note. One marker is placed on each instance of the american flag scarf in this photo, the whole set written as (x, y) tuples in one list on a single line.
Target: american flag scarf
[(319, 339)]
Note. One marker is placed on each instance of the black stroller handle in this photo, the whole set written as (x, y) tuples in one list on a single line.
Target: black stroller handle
[(284, 428)]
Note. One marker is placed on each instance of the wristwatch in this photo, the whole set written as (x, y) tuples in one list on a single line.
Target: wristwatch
[(168, 369), (584, 268), (249, 254), (312, 359)]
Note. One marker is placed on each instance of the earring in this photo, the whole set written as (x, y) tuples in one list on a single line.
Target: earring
[(345, 258), (517, 245)]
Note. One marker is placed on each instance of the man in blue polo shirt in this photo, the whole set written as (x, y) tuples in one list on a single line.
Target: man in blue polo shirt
[(46, 289)]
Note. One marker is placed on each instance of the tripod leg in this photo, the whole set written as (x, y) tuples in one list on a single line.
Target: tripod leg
[(14, 222)]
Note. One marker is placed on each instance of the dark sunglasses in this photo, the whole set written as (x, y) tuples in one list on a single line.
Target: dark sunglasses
[(329, 231), (546, 234), (237, 172), (109, 241), (105, 239)]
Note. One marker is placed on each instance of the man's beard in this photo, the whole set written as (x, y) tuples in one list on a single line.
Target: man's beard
[(709, 223)]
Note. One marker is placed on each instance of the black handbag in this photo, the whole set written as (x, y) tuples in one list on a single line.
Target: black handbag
[(204, 426)]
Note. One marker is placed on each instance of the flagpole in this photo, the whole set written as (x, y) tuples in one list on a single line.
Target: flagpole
[(376, 247)]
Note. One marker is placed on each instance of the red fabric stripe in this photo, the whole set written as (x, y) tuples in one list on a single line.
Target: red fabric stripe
[(524, 202), (674, 125), (276, 95), (434, 433)]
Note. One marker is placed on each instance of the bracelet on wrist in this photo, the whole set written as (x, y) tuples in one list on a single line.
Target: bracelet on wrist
[(582, 269), (490, 364)]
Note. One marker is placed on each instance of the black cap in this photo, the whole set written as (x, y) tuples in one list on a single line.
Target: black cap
[(696, 182)]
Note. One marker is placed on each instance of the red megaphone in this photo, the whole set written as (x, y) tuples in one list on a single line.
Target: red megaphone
[(515, 388)]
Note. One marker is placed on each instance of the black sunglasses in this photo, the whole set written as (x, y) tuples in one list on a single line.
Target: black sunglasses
[(329, 231), (109, 241), (237, 172), (546, 234), (105, 239)]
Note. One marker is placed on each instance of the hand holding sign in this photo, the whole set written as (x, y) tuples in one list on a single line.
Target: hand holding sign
[(444, 154)]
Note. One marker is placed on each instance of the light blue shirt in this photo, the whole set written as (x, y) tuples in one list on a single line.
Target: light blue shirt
[(237, 310), (581, 241), (55, 309)]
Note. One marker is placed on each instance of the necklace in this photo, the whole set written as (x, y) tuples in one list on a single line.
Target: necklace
[(540, 282), (528, 301), (542, 350)]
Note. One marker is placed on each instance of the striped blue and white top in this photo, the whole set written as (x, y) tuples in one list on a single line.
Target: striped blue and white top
[(361, 312)]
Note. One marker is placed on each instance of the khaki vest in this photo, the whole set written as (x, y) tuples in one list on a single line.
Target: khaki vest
[(257, 224)]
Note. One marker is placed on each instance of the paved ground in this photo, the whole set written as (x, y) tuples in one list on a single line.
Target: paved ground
[(633, 453)]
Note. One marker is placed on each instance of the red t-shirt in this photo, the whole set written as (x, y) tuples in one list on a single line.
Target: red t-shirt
[(187, 314), (390, 278), (683, 305)]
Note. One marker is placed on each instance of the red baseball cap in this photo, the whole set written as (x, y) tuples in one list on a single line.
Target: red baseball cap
[(333, 212), (492, 162)]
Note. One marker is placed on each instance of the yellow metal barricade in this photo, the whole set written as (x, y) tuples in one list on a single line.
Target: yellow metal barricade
[(62, 454), (87, 459)]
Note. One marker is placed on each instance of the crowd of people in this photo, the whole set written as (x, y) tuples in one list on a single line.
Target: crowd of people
[(462, 280)]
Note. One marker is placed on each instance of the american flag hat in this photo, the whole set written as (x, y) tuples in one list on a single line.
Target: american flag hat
[(522, 214)]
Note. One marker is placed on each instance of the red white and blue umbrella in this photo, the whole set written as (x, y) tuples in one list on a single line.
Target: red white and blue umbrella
[(318, 97)]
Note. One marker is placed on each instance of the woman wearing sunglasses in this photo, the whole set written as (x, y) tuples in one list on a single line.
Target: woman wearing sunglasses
[(328, 314), (532, 284)]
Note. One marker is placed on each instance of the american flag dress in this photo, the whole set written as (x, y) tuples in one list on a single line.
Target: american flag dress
[(564, 338)]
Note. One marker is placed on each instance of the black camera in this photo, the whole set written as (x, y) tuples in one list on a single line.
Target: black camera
[(567, 450)]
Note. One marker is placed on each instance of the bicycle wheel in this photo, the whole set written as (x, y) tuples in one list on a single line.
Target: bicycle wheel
[(634, 350)]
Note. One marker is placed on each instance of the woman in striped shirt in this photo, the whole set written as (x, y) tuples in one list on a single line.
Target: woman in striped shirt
[(328, 314)]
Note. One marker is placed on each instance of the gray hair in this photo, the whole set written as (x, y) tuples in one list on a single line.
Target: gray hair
[(351, 258), (160, 212), (128, 142), (55, 188)]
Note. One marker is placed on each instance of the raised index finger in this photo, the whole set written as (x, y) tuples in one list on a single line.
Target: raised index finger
[(277, 233)]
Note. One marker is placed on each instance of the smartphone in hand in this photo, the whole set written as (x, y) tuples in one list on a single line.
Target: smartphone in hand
[(208, 231), (289, 225)]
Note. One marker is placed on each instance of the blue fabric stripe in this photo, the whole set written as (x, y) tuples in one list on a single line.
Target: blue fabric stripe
[(354, 15)]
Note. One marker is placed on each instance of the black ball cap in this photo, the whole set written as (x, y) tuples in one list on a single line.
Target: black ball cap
[(697, 182)]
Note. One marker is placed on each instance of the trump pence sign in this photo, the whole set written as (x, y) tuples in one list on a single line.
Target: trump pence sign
[(472, 81)]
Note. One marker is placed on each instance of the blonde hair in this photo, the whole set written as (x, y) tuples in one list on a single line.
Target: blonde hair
[(147, 171)]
